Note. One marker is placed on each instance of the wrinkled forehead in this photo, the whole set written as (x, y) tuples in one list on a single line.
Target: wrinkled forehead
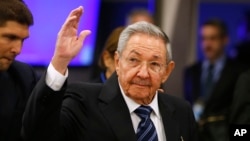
[(145, 44)]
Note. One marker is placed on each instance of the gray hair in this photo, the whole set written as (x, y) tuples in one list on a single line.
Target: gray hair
[(147, 28)]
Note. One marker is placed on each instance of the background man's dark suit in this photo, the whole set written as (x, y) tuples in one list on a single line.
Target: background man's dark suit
[(241, 104), (218, 104), (16, 85), (97, 112)]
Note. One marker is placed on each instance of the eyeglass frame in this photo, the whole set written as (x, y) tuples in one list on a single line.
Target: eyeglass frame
[(134, 60)]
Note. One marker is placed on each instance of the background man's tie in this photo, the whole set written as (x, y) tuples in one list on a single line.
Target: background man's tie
[(146, 130), (208, 85)]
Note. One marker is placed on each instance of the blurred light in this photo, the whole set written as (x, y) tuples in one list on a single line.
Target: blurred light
[(49, 15)]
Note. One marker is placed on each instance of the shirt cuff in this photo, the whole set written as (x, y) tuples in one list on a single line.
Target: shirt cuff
[(54, 79)]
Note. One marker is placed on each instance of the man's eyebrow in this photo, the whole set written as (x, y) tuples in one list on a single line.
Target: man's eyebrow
[(135, 52), (10, 35), (157, 56), (14, 36)]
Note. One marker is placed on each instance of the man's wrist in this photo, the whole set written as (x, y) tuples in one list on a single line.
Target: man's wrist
[(55, 79), (60, 64)]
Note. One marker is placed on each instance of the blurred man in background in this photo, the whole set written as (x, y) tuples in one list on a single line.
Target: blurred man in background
[(209, 84), (16, 79)]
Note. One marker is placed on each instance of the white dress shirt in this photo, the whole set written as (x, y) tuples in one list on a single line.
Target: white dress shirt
[(155, 115), (55, 81)]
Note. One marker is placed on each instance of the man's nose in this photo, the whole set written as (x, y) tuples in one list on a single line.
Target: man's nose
[(143, 71), (17, 46)]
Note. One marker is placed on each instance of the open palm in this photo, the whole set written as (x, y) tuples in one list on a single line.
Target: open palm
[(68, 43)]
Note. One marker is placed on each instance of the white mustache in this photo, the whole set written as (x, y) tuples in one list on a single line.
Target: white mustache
[(142, 82)]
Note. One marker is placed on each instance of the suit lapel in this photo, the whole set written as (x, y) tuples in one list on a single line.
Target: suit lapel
[(171, 127), (115, 110), (223, 82)]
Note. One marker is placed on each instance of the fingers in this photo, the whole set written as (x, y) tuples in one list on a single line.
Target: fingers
[(76, 12), (73, 18), (83, 35)]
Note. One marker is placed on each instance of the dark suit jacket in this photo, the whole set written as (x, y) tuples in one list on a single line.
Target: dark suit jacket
[(220, 100), (97, 112), (222, 93), (240, 112), (16, 85)]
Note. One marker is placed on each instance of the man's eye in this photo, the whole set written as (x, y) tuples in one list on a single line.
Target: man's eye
[(11, 37), (133, 60), (156, 64)]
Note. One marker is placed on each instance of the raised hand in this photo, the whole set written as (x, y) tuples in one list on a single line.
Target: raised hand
[(68, 43)]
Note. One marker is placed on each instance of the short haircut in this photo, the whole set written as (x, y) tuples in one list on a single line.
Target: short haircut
[(15, 10), (110, 45), (144, 28), (218, 24)]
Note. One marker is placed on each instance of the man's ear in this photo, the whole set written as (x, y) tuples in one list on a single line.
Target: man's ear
[(117, 61), (168, 70)]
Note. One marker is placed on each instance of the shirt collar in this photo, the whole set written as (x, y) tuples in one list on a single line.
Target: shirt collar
[(219, 63), (132, 105)]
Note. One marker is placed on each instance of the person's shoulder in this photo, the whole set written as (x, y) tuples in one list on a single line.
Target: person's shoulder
[(84, 88), (21, 65), (24, 75), (175, 101), (194, 66), (236, 65), (245, 75), (22, 70), (192, 70)]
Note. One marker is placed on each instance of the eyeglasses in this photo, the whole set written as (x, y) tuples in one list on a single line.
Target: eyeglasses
[(153, 66)]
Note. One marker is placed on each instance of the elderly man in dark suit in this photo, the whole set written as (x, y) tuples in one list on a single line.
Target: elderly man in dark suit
[(209, 84), (16, 78), (128, 107)]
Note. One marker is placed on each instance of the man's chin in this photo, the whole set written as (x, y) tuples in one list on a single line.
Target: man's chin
[(210, 55), (4, 67), (141, 98), (139, 93)]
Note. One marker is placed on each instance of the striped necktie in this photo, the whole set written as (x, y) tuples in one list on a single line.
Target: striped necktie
[(146, 130)]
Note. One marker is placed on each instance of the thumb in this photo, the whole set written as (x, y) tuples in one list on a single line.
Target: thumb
[(83, 35)]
